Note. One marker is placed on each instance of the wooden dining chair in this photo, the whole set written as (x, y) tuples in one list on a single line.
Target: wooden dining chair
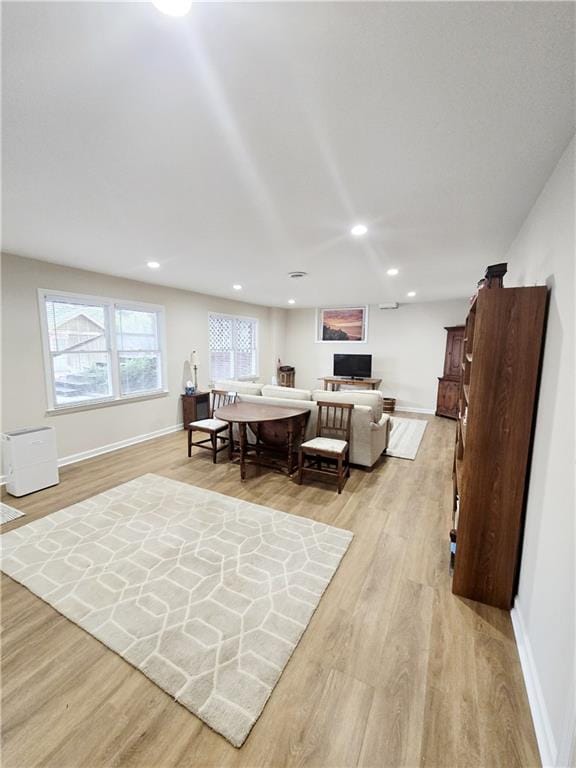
[(331, 446), (217, 429)]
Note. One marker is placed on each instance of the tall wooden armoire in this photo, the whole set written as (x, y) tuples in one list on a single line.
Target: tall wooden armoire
[(449, 382)]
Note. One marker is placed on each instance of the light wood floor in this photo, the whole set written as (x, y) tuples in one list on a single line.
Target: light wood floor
[(393, 670)]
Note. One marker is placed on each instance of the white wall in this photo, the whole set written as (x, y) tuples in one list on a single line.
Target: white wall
[(545, 608), (407, 347), (23, 383)]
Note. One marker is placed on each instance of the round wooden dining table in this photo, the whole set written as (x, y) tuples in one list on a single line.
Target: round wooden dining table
[(279, 430)]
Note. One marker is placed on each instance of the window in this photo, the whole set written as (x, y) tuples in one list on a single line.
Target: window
[(99, 350), (139, 354), (233, 347)]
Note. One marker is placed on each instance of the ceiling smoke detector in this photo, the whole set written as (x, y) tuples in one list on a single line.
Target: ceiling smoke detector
[(297, 274)]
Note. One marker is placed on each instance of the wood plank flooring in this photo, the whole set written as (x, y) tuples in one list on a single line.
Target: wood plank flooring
[(392, 671)]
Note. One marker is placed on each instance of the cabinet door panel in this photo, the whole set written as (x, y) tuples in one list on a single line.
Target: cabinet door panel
[(454, 352), (447, 404)]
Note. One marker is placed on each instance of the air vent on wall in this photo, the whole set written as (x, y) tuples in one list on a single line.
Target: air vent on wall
[(297, 274), (388, 305)]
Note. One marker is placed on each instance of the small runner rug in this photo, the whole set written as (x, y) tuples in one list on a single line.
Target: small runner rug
[(405, 437), (206, 594), (8, 513)]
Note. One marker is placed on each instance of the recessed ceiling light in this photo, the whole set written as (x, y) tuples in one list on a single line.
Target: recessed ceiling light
[(153, 265), (173, 7), (358, 230), (237, 287), (411, 294), (291, 301), (392, 272)]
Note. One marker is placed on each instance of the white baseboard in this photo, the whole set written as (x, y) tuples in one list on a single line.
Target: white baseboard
[(76, 457), (415, 410), (540, 717)]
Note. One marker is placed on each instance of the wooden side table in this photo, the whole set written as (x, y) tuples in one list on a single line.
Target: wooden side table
[(286, 378), (333, 383), (195, 407)]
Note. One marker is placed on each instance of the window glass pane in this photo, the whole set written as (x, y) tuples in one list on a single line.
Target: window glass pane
[(221, 365), (233, 352), (76, 327), (220, 333), (245, 335), (245, 365), (139, 372), (136, 330), (81, 376)]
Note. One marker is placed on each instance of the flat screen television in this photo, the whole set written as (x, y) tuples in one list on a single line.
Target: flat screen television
[(353, 366)]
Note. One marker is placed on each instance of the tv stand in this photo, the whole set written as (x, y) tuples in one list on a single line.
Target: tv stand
[(333, 383)]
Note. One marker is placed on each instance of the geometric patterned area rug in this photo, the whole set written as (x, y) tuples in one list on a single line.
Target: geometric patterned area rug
[(405, 437), (206, 594)]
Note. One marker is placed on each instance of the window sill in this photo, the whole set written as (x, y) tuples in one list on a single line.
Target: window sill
[(105, 403)]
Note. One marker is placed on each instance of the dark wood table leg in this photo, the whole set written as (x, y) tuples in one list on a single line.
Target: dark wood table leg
[(231, 441), (290, 442), (242, 431)]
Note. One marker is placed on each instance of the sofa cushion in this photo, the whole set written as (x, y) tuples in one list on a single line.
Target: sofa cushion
[(372, 399), (286, 392), (242, 387)]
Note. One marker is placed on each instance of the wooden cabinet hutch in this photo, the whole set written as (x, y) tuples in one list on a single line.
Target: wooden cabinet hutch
[(449, 382)]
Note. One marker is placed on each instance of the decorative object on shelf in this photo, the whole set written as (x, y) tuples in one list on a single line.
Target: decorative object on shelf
[(497, 400), (452, 548), (285, 375), (449, 382), (347, 324), (189, 389), (494, 277), (194, 364)]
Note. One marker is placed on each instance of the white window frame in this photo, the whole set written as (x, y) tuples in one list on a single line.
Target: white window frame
[(110, 306), (256, 322)]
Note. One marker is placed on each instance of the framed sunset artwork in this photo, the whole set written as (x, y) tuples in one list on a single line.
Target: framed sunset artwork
[(344, 324)]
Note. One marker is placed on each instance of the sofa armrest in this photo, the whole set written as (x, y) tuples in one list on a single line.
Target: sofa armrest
[(382, 430)]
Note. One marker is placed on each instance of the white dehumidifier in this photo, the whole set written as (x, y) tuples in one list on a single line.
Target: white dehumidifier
[(30, 459)]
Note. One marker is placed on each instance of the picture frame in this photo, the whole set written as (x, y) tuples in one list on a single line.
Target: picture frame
[(342, 325)]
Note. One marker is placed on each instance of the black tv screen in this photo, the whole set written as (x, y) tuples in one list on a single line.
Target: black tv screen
[(353, 366)]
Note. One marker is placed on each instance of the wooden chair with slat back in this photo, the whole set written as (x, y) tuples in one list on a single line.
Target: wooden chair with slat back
[(217, 429), (331, 446)]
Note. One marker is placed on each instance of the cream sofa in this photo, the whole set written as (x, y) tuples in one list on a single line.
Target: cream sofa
[(370, 426)]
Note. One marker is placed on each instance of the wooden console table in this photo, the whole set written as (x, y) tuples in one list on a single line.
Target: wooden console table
[(332, 383), (279, 431)]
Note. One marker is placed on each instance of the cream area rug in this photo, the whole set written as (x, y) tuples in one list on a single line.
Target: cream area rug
[(405, 437), (8, 513), (206, 594)]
